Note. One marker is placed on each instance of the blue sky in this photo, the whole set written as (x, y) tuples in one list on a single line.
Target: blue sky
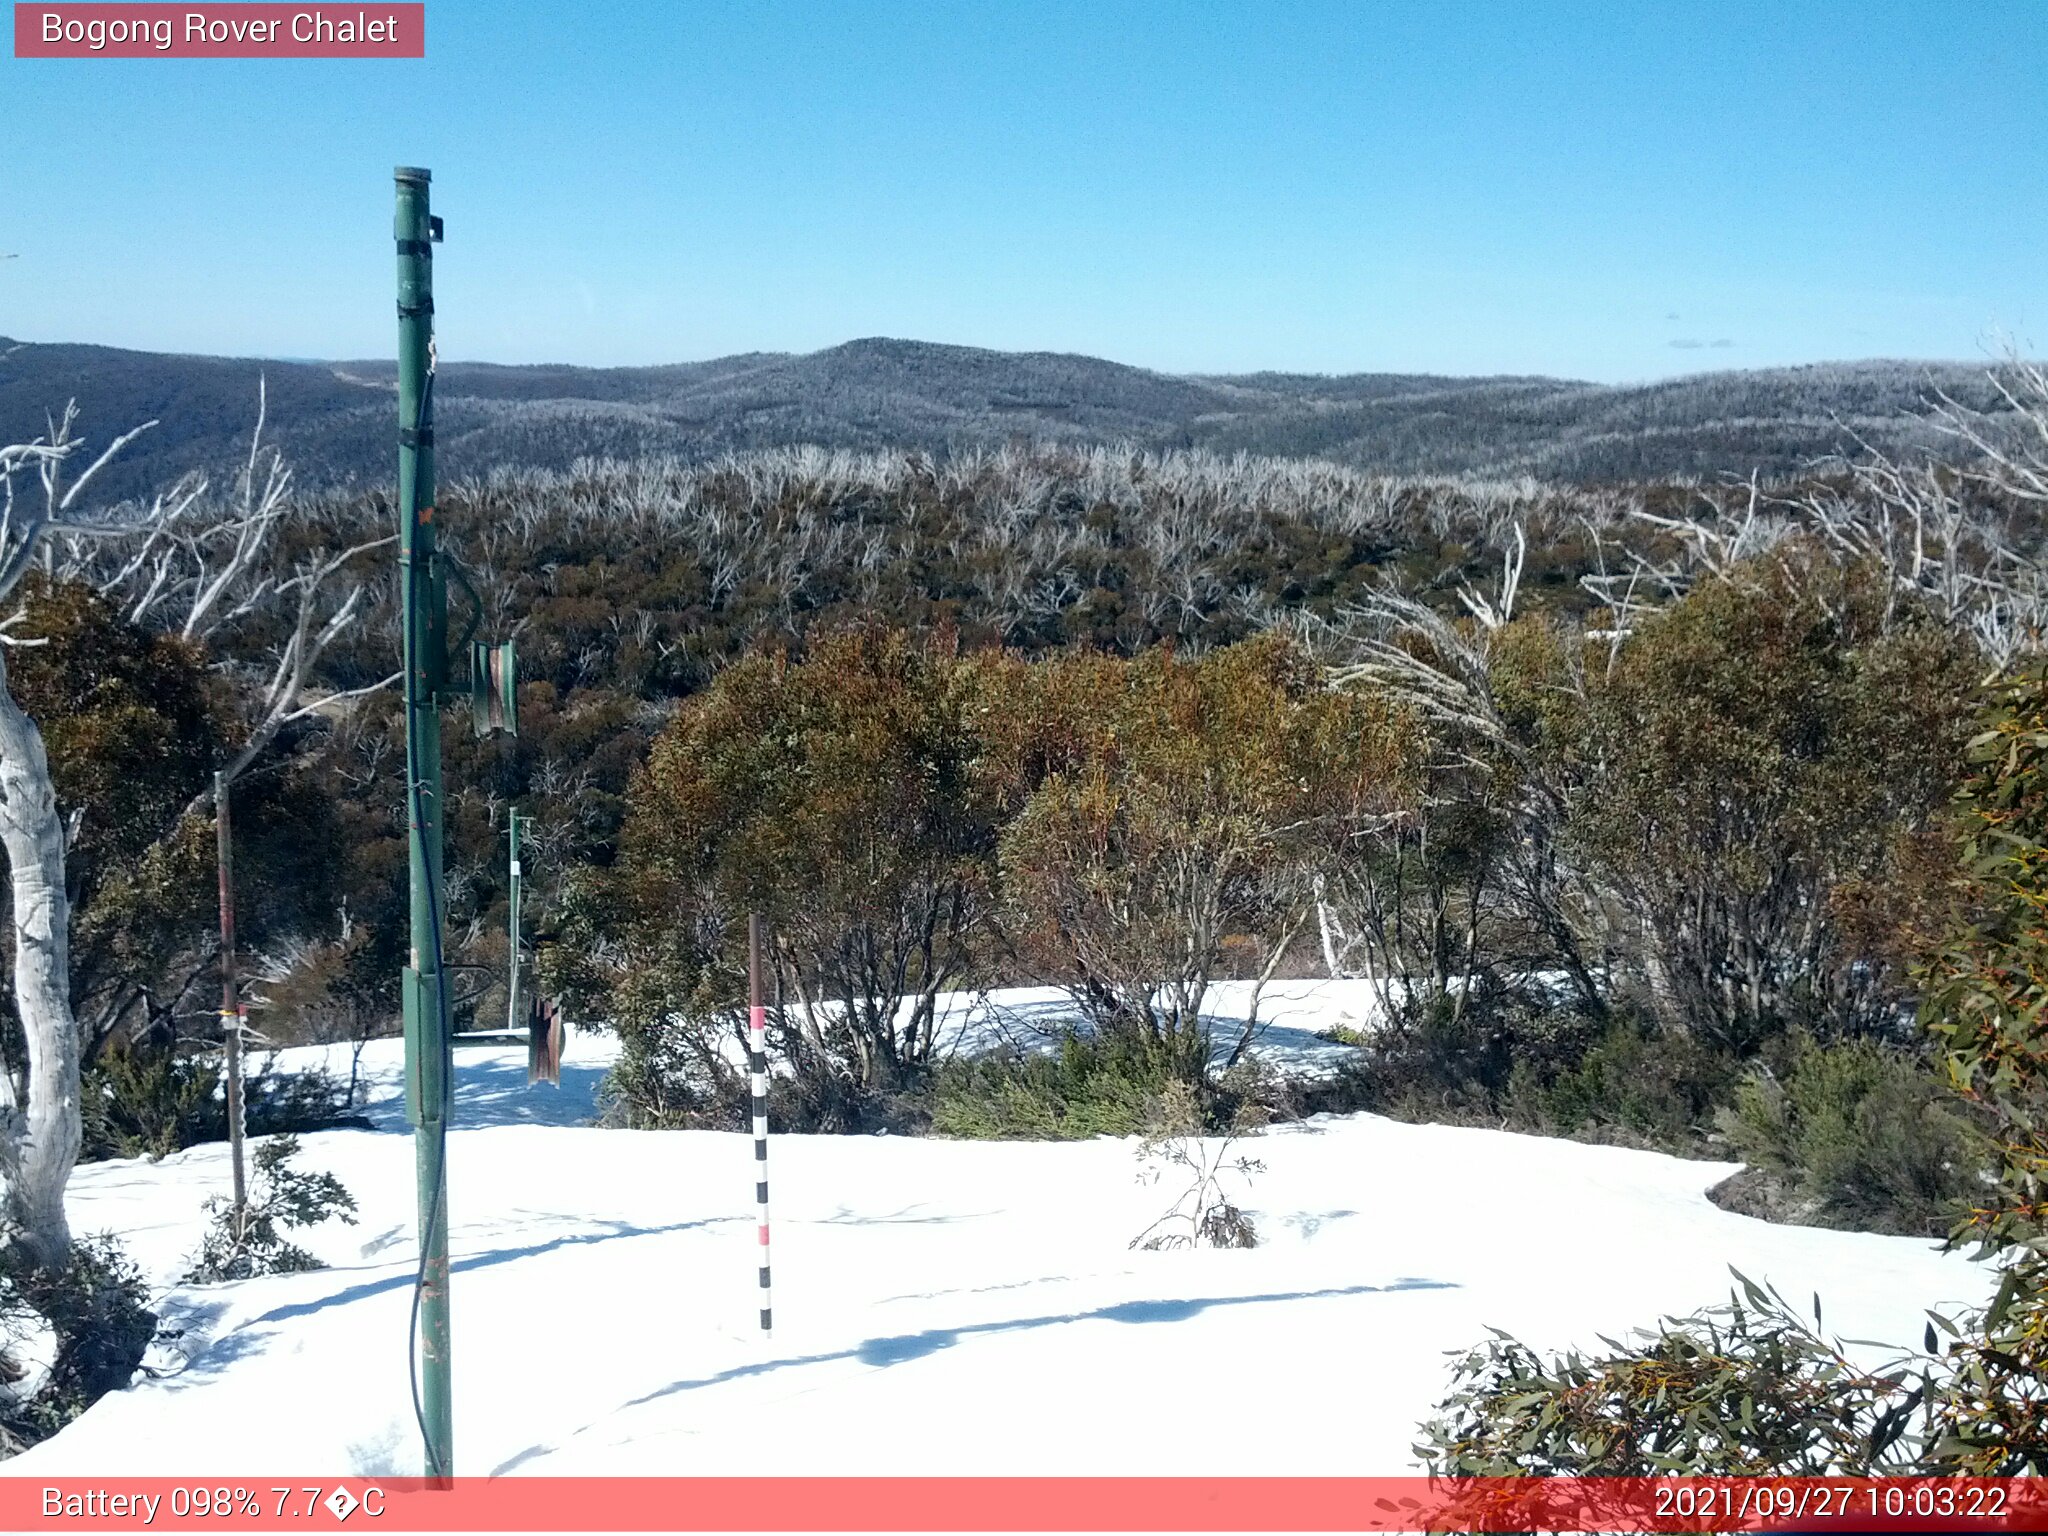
[(1611, 192)]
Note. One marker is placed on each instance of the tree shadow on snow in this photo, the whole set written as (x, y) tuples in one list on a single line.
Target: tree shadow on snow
[(903, 1347), (899, 1349), (243, 1341), (846, 1216)]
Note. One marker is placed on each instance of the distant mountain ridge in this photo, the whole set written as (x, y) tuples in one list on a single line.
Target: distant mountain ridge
[(335, 420)]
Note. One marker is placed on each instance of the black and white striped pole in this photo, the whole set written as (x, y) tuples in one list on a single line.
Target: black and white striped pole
[(757, 1034)]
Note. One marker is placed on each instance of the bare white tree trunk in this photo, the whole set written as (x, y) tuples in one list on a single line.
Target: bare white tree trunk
[(40, 1126), (1335, 941), (186, 565), (38, 1142)]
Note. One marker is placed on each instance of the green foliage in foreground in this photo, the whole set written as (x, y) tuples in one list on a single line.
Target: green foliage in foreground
[(1751, 1389), (1987, 1009), (1743, 1390)]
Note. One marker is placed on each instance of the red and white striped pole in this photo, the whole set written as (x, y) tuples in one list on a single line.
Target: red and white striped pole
[(757, 1028)]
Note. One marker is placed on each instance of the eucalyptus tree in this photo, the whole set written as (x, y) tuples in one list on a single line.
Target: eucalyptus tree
[(39, 1096), (230, 574)]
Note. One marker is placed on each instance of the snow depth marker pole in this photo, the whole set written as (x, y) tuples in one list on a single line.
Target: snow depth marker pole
[(757, 1030), (512, 1018)]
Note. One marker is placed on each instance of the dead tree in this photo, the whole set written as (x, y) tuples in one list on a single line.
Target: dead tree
[(182, 563), (40, 1126)]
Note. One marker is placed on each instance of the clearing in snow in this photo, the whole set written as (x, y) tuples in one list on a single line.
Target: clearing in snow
[(962, 1308)]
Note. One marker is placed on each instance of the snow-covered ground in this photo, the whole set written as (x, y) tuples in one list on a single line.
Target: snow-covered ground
[(948, 1307)]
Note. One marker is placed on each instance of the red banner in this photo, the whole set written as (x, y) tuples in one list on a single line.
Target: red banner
[(1061, 1504), (241, 31)]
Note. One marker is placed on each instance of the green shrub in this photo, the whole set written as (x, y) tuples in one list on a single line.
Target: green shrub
[(1631, 1083), (1107, 1085), (1861, 1134), (1439, 1059), (1748, 1389), (86, 1326), (252, 1241), (829, 1103), (656, 1083), (151, 1101), (675, 1075), (1510, 1061)]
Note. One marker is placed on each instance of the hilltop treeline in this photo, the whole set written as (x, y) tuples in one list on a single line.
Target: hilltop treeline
[(880, 395)]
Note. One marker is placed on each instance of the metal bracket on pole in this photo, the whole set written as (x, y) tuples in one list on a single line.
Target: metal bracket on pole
[(428, 1062)]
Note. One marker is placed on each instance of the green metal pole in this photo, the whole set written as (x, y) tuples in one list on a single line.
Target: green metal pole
[(427, 1044)]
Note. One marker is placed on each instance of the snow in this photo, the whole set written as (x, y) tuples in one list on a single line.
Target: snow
[(949, 1307), (1291, 1016)]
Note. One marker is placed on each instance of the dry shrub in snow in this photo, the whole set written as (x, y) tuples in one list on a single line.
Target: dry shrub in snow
[(1202, 1215)]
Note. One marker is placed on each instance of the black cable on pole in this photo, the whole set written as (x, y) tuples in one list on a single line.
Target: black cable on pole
[(416, 805)]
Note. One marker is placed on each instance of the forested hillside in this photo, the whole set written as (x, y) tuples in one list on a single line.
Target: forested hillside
[(334, 420), (635, 587)]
